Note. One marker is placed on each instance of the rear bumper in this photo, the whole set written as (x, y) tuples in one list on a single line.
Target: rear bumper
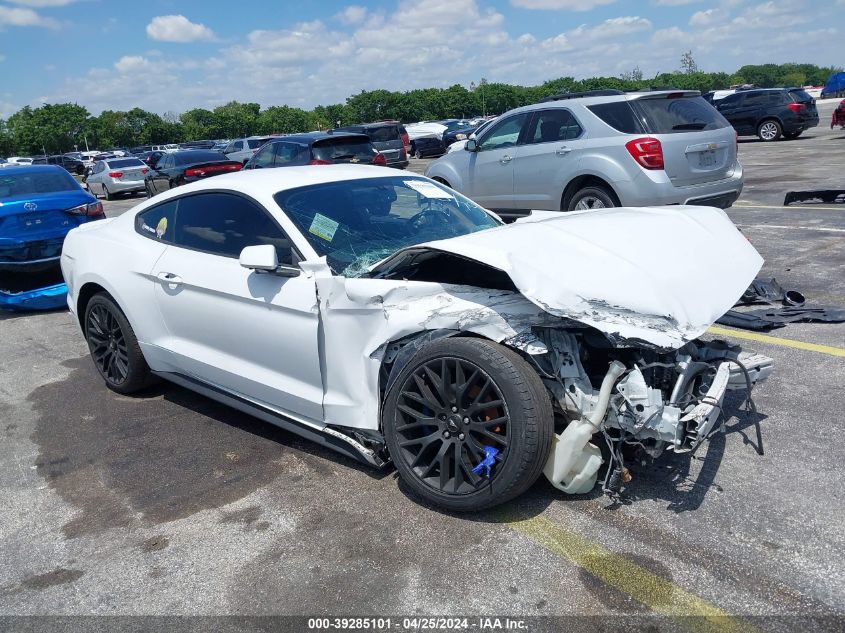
[(643, 191), (47, 298), (125, 186)]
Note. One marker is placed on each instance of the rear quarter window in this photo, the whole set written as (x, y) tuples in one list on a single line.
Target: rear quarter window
[(383, 133), (341, 149), (679, 115), (619, 116)]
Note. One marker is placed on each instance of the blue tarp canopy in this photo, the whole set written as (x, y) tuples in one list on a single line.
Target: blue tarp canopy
[(834, 85)]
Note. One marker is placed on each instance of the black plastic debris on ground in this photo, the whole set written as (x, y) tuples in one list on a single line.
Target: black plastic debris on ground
[(827, 196), (784, 306)]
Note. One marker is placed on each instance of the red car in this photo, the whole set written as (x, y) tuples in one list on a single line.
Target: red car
[(838, 117)]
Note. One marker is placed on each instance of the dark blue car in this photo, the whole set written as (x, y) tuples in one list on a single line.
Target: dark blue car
[(39, 205)]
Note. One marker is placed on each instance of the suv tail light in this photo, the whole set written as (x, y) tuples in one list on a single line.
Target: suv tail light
[(406, 141), (647, 151), (115, 174), (797, 108), (93, 210), (317, 161), (199, 172), (379, 159)]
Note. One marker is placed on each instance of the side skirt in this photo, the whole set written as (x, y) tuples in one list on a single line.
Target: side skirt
[(326, 435)]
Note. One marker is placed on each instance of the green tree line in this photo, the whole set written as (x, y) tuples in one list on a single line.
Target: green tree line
[(55, 128)]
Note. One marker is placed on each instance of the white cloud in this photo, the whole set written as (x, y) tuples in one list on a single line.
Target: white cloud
[(177, 28), (132, 63), (14, 16), (353, 14), (561, 5)]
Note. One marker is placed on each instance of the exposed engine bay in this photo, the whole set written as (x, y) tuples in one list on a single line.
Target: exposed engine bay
[(633, 397)]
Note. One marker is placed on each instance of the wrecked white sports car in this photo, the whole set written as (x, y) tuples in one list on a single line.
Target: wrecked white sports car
[(392, 319)]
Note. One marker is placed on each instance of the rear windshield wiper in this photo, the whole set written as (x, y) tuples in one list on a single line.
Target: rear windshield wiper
[(341, 156), (689, 126)]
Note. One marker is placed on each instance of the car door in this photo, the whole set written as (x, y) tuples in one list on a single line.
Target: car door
[(752, 109), (250, 333), (547, 157), (161, 177), (729, 107), (95, 178), (490, 168), (263, 159)]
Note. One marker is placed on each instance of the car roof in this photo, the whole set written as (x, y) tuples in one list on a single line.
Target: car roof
[(308, 137), (268, 182), (36, 169)]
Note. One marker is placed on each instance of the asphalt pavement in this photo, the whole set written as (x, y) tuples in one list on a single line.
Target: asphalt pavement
[(169, 503)]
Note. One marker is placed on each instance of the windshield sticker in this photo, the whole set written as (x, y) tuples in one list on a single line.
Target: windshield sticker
[(429, 190), (323, 227)]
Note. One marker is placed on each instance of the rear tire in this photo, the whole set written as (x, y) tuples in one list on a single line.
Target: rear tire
[(114, 347), (591, 198), (456, 397), (109, 195), (769, 131)]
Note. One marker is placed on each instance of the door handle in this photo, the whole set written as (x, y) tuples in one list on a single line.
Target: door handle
[(563, 151), (170, 279), (506, 159)]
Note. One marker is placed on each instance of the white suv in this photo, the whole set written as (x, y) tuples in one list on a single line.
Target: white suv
[(243, 149), (603, 148)]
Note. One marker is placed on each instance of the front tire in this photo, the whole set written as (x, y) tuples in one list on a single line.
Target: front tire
[(769, 131), (591, 198), (453, 400), (114, 347)]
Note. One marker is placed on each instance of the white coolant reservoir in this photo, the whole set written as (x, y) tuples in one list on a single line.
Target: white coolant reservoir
[(574, 462)]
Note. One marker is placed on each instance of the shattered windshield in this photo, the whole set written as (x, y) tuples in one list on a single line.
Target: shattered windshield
[(356, 223)]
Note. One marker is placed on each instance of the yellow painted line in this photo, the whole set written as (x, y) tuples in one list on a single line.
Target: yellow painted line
[(776, 340), (658, 594)]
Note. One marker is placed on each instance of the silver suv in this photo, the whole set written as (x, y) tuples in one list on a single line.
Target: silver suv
[(602, 148)]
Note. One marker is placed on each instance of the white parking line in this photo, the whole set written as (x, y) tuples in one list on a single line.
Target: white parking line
[(791, 208), (782, 226)]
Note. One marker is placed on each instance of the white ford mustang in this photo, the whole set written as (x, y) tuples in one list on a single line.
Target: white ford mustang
[(390, 318)]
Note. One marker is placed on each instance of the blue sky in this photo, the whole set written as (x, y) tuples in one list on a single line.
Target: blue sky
[(164, 55)]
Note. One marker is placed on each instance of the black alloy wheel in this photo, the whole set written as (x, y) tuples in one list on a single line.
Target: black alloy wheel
[(108, 345), (114, 347), (468, 423), (450, 410)]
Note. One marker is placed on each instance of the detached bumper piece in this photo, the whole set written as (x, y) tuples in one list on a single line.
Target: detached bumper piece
[(827, 196), (46, 298)]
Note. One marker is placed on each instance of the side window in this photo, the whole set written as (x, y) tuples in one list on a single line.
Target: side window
[(157, 223), (286, 153), (754, 99), (238, 146), (505, 133), (224, 224), (263, 158), (552, 125)]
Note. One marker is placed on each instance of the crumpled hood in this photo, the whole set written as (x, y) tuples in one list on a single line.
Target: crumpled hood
[(661, 275)]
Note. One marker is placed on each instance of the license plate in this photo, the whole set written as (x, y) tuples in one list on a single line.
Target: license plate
[(707, 159)]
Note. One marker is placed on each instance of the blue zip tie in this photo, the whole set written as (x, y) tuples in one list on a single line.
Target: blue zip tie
[(488, 462)]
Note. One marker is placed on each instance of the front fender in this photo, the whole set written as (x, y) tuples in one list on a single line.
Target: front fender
[(447, 172)]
